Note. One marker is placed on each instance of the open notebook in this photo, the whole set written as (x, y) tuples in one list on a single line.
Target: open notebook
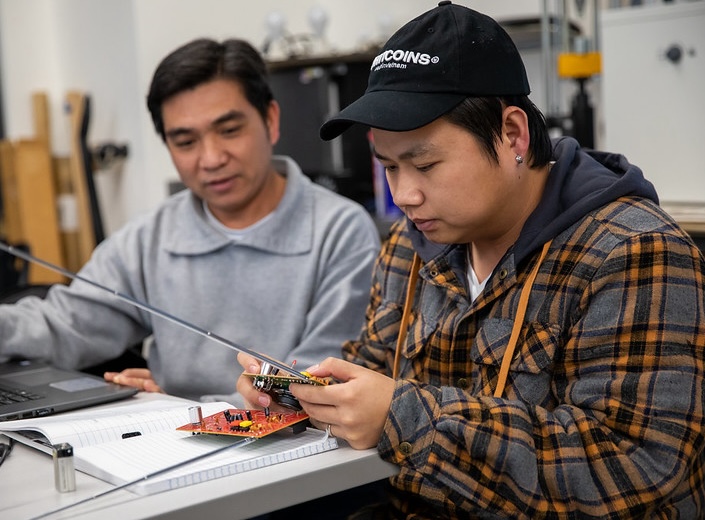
[(124, 443)]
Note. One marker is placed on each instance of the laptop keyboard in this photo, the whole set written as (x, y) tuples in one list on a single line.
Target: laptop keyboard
[(16, 395)]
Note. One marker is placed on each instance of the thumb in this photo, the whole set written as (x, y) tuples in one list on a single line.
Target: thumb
[(335, 368)]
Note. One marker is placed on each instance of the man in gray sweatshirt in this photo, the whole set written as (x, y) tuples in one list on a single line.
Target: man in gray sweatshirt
[(252, 251)]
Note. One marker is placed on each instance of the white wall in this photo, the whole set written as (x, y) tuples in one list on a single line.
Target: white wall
[(109, 49)]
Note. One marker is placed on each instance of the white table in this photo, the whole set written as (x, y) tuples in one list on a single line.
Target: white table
[(27, 488)]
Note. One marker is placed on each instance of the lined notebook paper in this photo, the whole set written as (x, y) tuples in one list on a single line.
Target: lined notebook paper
[(100, 449)]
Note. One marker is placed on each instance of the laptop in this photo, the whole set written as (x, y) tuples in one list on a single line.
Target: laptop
[(34, 389)]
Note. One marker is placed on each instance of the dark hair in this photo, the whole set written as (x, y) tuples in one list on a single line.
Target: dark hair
[(204, 60), (482, 117)]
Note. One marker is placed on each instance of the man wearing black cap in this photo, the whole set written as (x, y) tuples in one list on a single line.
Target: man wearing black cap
[(535, 337)]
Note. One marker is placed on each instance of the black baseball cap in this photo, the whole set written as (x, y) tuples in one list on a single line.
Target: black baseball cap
[(429, 66)]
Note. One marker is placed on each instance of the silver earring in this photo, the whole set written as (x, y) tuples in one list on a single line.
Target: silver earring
[(519, 159)]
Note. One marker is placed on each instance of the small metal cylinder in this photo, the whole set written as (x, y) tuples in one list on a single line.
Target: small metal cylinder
[(268, 370), (64, 471), (196, 416)]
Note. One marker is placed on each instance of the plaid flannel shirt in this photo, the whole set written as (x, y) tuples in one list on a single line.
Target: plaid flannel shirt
[(602, 415)]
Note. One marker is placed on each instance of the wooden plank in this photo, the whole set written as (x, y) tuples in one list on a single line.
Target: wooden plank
[(36, 196), (68, 218), (66, 207), (12, 226), (40, 111), (77, 168)]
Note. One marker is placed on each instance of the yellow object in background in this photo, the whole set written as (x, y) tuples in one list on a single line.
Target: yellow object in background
[(579, 65)]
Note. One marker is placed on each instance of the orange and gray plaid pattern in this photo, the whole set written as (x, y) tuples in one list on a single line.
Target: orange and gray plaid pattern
[(603, 413)]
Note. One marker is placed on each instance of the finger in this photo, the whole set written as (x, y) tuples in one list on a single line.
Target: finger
[(246, 388), (320, 414), (127, 373), (317, 424), (250, 400), (322, 426), (128, 381), (335, 368), (141, 373), (135, 382), (311, 395), (338, 369), (149, 385), (259, 399), (248, 363), (255, 398)]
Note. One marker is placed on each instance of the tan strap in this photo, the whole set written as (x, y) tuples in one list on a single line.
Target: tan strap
[(518, 322), (406, 313)]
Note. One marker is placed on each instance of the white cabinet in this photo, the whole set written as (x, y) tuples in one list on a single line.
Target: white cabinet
[(654, 93)]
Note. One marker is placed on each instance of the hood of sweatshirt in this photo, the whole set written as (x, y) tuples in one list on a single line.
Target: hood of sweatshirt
[(580, 181)]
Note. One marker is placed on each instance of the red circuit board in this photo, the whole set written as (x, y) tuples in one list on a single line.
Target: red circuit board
[(247, 423)]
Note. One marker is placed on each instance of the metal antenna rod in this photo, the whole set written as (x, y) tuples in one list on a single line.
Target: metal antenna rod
[(153, 310)]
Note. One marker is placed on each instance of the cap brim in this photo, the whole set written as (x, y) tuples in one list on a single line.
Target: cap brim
[(391, 110)]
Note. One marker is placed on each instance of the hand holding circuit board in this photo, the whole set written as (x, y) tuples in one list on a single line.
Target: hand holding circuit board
[(257, 423), (271, 381)]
